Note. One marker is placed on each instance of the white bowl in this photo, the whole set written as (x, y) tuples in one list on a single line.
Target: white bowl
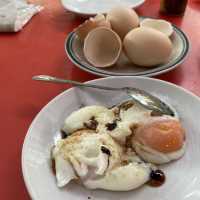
[(93, 7), (182, 176)]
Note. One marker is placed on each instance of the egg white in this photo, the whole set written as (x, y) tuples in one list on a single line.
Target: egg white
[(75, 121), (150, 155), (79, 156), (64, 171), (83, 151), (122, 178)]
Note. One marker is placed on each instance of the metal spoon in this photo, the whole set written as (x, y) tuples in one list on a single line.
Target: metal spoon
[(142, 97)]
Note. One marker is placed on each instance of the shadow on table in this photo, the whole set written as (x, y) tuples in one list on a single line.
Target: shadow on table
[(77, 74), (175, 76)]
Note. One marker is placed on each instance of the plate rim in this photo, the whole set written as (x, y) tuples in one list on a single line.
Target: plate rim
[(27, 136), (87, 14), (102, 73)]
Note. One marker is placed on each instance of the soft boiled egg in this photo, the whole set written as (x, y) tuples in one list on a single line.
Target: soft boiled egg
[(147, 47), (98, 161), (112, 148), (156, 138), (160, 141)]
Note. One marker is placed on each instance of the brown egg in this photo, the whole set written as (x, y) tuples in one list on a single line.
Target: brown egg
[(147, 47), (90, 24), (102, 47), (123, 20), (164, 136)]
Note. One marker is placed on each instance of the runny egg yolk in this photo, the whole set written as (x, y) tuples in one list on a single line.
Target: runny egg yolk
[(165, 136)]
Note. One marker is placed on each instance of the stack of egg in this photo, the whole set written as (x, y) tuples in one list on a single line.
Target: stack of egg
[(145, 43)]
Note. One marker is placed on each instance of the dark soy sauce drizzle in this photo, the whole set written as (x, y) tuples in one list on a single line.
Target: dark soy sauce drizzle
[(105, 150), (111, 126), (63, 134), (155, 113), (157, 178), (53, 166), (91, 124)]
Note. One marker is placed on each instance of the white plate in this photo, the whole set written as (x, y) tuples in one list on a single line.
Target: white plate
[(183, 176), (93, 7), (123, 67)]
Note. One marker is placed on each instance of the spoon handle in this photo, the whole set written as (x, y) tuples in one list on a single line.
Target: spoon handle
[(144, 98), (53, 79)]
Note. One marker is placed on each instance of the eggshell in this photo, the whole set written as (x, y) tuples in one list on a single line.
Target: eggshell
[(147, 47), (90, 24), (102, 47), (158, 24), (123, 20)]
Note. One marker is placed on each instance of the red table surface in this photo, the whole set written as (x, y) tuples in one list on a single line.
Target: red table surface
[(39, 49)]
